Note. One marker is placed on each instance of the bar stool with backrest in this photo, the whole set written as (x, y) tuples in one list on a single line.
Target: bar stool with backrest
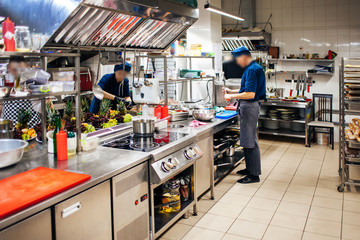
[(322, 117)]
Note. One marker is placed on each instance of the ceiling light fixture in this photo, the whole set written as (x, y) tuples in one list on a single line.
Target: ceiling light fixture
[(208, 7)]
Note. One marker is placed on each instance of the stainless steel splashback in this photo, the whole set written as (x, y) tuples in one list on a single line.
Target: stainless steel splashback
[(89, 24)]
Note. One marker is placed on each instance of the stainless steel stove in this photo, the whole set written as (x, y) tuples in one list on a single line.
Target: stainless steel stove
[(172, 154)]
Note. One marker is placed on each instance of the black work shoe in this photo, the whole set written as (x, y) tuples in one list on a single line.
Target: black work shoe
[(243, 172), (249, 179)]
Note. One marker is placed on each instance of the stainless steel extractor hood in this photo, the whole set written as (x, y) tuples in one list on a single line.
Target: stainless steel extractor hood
[(254, 41), (90, 24)]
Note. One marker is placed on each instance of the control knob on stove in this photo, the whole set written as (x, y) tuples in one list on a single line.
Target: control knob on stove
[(166, 166), (188, 154), (174, 162)]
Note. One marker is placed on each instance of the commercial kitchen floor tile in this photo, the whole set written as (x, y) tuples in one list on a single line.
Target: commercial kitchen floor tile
[(295, 199)]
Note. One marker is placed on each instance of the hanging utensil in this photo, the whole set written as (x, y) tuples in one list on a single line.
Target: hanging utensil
[(292, 85), (136, 72), (97, 90), (298, 86), (148, 83)]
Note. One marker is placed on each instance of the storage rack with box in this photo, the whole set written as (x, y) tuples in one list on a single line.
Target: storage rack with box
[(349, 104), (44, 58)]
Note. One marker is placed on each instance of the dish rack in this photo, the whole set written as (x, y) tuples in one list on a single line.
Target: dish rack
[(349, 103)]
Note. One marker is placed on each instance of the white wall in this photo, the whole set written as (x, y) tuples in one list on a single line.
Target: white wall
[(316, 26)]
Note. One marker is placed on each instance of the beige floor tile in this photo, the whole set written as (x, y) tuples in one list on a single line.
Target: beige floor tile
[(177, 231), (244, 189), (315, 156), (350, 232), (325, 202), (294, 208), (332, 176), (192, 220), (352, 196), (284, 170), (231, 178), (215, 222), (204, 205), (270, 193), (235, 198), (235, 237), (256, 215), (328, 184), (223, 186), (351, 206), (248, 229), (279, 233), (315, 236), (218, 194), (310, 162), (299, 188), (227, 210), (323, 227), (274, 185), (263, 203), (280, 177), (197, 233), (288, 221), (308, 181), (352, 218), (328, 192), (325, 214), (297, 198)]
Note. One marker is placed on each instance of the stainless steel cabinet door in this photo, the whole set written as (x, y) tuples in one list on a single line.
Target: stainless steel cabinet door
[(204, 165), (86, 216), (131, 204), (37, 227)]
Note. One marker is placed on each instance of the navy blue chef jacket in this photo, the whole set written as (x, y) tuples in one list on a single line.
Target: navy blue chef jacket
[(253, 80), (109, 84)]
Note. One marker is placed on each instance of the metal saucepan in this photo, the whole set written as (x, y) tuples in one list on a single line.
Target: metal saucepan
[(204, 114), (144, 126), (6, 128), (11, 151)]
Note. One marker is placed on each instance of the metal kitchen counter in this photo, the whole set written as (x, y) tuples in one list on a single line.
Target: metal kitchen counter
[(102, 164), (211, 128)]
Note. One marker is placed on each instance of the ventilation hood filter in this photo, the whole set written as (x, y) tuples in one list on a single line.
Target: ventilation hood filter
[(123, 24), (254, 41)]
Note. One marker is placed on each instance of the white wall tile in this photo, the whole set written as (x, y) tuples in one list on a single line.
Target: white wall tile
[(355, 14), (320, 3), (308, 3), (297, 3), (319, 13), (298, 14), (331, 13), (286, 3), (343, 15), (276, 4), (266, 4), (258, 4), (276, 15), (331, 2), (309, 14)]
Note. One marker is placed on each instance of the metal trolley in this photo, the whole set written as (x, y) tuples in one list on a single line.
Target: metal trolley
[(349, 105)]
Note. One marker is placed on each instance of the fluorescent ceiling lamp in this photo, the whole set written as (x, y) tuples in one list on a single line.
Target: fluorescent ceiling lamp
[(207, 6)]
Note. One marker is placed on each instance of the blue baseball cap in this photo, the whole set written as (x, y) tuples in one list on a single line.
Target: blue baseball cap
[(121, 67), (240, 51)]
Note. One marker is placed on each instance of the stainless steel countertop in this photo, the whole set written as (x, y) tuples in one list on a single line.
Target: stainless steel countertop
[(211, 128), (102, 164)]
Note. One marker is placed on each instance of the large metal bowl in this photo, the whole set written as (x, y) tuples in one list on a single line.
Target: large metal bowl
[(204, 115), (5, 91), (11, 151)]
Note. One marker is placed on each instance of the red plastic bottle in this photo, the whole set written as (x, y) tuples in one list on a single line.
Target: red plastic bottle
[(157, 111), (164, 112), (61, 145), (9, 35)]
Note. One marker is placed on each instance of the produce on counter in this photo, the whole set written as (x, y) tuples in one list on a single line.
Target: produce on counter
[(69, 110), (51, 116), (127, 118), (89, 128), (110, 123), (23, 118)]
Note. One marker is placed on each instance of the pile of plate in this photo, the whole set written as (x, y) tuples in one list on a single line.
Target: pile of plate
[(273, 113), (287, 113)]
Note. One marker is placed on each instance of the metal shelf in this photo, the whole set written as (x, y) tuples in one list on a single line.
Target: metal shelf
[(35, 54), (282, 120), (301, 60), (304, 72), (283, 132), (280, 103), (170, 56), (38, 96)]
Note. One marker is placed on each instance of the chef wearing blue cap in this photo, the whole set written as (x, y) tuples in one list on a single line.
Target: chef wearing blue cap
[(252, 89), (115, 86)]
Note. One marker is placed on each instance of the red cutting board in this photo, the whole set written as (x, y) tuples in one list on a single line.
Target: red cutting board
[(25, 189)]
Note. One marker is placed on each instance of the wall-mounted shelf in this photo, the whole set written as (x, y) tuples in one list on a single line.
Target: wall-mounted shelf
[(304, 72), (301, 60)]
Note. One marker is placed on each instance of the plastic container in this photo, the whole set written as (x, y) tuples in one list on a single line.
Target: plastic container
[(39, 88), (22, 39), (164, 111), (49, 136), (69, 86), (61, 145), (8, 29), (71, 143), (56, 86), (88, 144), (145, 110), (63, 76)]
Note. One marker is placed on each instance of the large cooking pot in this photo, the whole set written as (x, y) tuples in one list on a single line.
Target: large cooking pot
[(6, 128), (11, 151), (204, 114), (143, 126)]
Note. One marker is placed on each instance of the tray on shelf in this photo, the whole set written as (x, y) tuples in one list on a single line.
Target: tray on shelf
[(352, 106), (353, 159), (352, 86), (353, 144), (352, 97)]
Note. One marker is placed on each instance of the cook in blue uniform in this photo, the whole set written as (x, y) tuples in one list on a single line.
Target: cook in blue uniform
[(115, 86), (253, 89)]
